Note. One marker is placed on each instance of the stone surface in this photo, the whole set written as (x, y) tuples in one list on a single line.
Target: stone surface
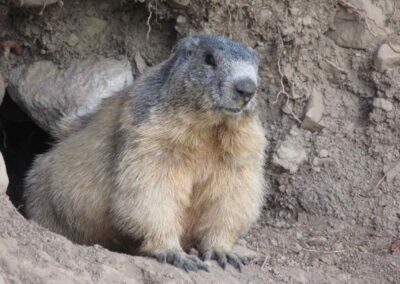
[(72, 40), (93, 27), (141, 65), (291, 153), (351, 31), (49, 94), (323, 153), (3, 176), (387, 57), (383, 104), (315, 110), (392, 171)]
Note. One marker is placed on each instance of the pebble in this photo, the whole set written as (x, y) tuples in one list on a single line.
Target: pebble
[(386, 57), (3, 176), (383, 104), (314, 112), (323, 153)]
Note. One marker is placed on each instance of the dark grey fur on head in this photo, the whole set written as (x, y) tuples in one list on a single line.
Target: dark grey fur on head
[(206, 73)]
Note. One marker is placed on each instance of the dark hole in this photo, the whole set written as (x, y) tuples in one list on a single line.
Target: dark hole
[(20, 141)]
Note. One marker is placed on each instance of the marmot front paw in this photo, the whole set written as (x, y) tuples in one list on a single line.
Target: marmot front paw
[(181, 260)]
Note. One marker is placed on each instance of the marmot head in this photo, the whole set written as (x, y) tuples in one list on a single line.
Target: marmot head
[(214, 75)]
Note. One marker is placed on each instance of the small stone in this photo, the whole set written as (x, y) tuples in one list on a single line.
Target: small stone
[(317, 241), (288, 31), (315, 110), (317, 169), (264, 15), (299, 276), (93, 27), (362, 249), (297, 248), (181, 19), (72, 40), (291, 153), (323, 153), (307, 21), (141, 65), (3, 176), (288, 107), (294, 11), (386, 57), (383, 104), (391, 171)]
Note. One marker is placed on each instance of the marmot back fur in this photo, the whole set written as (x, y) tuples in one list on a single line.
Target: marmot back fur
[(175, 162)]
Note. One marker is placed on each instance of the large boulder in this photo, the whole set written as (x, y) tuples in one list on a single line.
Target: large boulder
[(49, 94), (355, 32)]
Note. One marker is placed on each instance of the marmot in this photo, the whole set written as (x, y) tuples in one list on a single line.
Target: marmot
[(174, 163)]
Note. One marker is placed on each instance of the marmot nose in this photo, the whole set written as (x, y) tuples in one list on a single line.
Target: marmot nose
[(245, 88)]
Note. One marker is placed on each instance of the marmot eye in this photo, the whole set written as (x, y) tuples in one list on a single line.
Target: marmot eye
[(210, 60)]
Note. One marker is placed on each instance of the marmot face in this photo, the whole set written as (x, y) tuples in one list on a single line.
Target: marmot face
[(218, 74)]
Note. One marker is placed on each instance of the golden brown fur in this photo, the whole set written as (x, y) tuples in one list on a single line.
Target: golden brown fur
[(171, 181)]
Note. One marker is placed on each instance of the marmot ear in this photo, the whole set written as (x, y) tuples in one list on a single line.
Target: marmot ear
[(189, 45)]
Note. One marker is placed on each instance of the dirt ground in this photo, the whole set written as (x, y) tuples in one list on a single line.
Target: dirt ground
[(334, 218)]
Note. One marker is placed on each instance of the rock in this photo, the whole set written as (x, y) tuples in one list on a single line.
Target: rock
[(299, 276), (307, 21), (72, 40), (264, 15), (351, 31), (2, 88), (323, 153), (181, 20), (288, 107), (141, 65), (178, 3), (51, 95), (3, 176), (315, 110), (387, 57), (383, 104), (391, 171), (93, 27), (34, 3), (291, 153)]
